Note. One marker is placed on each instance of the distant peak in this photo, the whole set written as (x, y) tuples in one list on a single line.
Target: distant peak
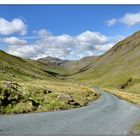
[(49, 58)]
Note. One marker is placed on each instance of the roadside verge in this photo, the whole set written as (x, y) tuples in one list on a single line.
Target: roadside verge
[(129, 96)]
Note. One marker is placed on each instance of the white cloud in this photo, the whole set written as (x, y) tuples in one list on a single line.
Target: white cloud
[(92, 38), (26, 51), (14, 41), (104, 48), (64, 46), (129, 19), (43, 32), (111, 22), (14, 26)]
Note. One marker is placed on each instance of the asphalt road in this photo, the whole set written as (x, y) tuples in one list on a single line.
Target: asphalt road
[(106, 116)]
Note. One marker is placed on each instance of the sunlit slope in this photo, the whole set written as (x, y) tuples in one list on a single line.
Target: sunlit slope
[(119, 67), (16, 68), (33, 86), (70, 67), (75, 67)]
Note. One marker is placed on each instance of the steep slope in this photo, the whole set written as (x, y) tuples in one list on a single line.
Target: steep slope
[(119, 67), (16, 68), (12, 67), (51, 60), (32, 86), (81, 65), (70, 67)]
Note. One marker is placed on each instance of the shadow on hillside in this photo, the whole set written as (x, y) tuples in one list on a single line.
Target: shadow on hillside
[(58, 75), (54, 74)]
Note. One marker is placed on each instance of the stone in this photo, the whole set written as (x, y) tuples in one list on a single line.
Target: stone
[(73, 103), (65, 97), (47, 91), (10, 84)]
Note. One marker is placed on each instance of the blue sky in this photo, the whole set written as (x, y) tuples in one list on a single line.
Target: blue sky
[(71, 20)]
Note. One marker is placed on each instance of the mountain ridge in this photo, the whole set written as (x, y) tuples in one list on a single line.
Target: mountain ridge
[(31, 83), (116, 66)]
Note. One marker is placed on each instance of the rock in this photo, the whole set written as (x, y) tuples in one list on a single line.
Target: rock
[(73, 103), (10, 84), (34, 103), (95, 94), (47, 91), (39, 107), (13, 75), (65, 97)]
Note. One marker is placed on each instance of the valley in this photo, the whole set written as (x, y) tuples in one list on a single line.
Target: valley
[(117, 69)]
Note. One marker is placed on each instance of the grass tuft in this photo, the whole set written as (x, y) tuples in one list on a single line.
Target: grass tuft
[(41, 95)]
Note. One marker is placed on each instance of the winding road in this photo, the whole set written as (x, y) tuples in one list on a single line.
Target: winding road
[(106, 116)]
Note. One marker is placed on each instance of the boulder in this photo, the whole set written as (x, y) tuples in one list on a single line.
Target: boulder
[(10, 84), (65, 97), (47, 91), (73, 103)]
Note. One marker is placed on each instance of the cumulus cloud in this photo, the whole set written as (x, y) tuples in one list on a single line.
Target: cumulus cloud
[(111, 22), (92, 38), (26, 51), (64, 46), (104, 48), (14, 26), (129, 19), (43, 32), (14, 41)]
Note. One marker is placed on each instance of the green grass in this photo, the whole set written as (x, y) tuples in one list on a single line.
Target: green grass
[(115, 67), (76, 67), (31, 86), (39, 95), (18, 69), (122, 94)]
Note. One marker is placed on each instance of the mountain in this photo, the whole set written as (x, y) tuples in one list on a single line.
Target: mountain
[(115, 68), (32, 86), (119, 67), (79, 66), (51, 60), (40, 85), (16, 68), (71, 66)]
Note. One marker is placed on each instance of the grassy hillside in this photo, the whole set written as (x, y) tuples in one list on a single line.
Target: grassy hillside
[(119, 67), (70, 67), (16, 68), (45, 86), (32, 86), (50, 60), (75, 67), (42, 95)]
